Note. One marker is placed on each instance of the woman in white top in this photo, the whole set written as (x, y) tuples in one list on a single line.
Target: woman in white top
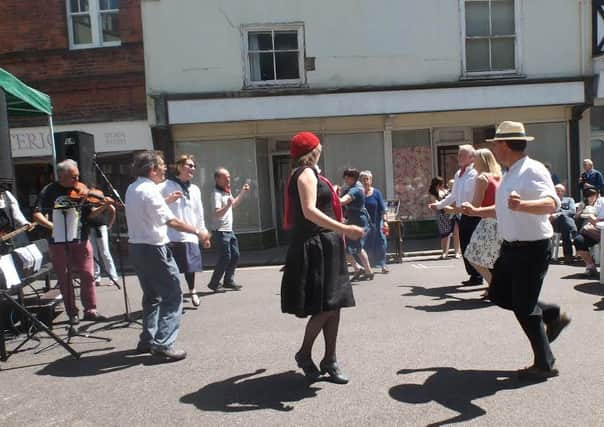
[(184, 200)]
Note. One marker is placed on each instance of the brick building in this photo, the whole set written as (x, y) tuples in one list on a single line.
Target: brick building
[(88, 56)]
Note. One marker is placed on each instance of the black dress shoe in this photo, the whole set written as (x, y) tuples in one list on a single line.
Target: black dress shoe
[(554, 328), (533, 373), (214, 286), (332, 368), (472, 281), (308, 366), (143, 348), (74, 320), (168, 354), (232, 285)]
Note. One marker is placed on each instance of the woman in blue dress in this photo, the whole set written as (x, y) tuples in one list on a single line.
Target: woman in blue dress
[(353, 201), (375, 242)]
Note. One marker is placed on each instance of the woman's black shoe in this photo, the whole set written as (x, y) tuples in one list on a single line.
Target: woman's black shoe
[(368, 276), (308, 366), (357, 276), (333, 369)]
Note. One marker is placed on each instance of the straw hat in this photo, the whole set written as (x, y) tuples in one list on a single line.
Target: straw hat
[(510, 131)]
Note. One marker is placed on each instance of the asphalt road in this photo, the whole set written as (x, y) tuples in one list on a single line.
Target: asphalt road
[(420, 350)]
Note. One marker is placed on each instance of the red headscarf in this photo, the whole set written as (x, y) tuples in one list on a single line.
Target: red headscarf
[(300, 144)]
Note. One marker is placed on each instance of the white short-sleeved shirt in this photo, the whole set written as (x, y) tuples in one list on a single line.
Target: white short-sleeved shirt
[(219, 200), (147, 213), (531, 180), (463, 188), (190, 210)]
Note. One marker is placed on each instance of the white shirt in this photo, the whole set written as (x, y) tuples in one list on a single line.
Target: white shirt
[(220, 200), (190, 210), (531, 180), (9, 200), (463, 188), (147, 213)]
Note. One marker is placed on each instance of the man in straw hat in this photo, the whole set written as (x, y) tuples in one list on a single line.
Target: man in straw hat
[(523, 203)]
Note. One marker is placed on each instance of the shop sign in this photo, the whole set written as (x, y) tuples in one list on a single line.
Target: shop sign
[(108, 137)]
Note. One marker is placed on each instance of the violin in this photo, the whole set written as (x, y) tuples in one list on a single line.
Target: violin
[(82, 194)]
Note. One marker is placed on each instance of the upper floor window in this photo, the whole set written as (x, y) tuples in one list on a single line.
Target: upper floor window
[(490, 37), (93, 23), (274, 55)]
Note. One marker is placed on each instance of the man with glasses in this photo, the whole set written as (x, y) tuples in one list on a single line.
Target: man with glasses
[(72, 245)]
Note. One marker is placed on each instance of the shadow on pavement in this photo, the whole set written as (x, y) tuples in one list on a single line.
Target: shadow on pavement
[(455, 390), (580, 275), (445, 294), (244, 393), (99, 364), (591, 288)]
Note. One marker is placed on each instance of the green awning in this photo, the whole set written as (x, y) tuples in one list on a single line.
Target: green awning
[(21, 99)]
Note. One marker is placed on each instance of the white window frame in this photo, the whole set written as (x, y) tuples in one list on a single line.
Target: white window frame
[(293, 26), (517, 45), (95, 26)]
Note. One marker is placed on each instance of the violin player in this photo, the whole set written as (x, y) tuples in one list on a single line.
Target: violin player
[(72, 249)]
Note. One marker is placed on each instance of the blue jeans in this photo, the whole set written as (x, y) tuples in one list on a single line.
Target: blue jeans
[(228, 257), (162, 298)]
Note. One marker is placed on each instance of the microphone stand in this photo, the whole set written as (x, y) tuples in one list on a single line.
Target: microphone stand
[(117, 239)]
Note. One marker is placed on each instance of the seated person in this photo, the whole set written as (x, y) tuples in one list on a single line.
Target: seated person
[(563, 221), (589, 214)]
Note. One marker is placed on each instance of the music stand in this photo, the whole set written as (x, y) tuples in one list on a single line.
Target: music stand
[(72, 330), (39, 326), (127, 316)]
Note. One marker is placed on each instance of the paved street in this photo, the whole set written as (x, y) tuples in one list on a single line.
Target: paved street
[(419, 350)]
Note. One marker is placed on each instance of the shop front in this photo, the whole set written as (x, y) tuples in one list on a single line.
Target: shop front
[(405, 139), (114, 143)]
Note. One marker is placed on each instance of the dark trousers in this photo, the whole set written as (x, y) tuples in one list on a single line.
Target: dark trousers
[(567, 227), (517, 279), (467, 225), (228, 257)]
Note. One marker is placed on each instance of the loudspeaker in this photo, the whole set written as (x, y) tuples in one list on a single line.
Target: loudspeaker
[(78, 146)]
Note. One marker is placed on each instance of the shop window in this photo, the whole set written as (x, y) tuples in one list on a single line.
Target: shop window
[(596, 118), (550, 147), (490, 36), (412, 168), (362, 151), (239, 157), (597, 153), (93, 23), (274, 55)]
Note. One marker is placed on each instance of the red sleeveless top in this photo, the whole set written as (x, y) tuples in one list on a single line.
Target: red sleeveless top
[(489, 193)]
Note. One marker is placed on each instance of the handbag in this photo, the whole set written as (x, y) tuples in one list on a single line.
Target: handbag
[(590, 231)]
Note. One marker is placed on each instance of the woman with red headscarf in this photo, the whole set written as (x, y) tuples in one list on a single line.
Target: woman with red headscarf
[(315, 280)]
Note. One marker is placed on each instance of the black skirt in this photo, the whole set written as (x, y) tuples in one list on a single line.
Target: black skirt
[(187, 256), (315, 279)]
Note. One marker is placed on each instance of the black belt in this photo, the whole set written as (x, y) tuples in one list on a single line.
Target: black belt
[(524, 243)]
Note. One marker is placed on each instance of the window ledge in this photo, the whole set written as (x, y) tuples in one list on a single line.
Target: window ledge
[(274, 86), (95, 46), (494, 76)]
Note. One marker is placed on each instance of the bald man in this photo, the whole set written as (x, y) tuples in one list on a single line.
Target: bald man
[(591, 177)]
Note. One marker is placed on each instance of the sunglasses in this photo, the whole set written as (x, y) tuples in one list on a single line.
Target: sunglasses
[(190, 165)]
